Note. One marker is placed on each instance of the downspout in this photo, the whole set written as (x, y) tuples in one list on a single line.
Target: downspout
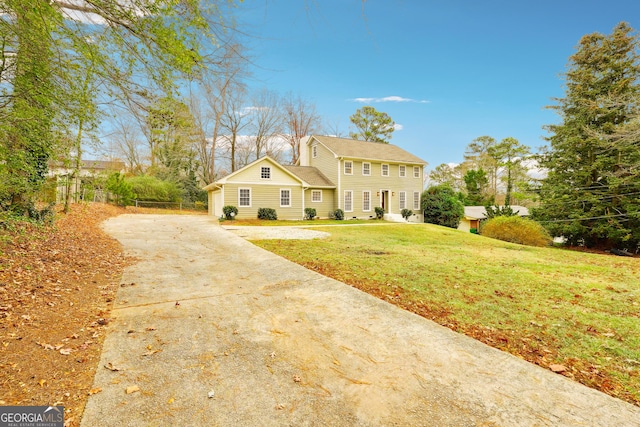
[(303, 190)]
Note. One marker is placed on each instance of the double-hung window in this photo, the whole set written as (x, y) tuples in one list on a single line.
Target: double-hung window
[(416, 171), (348, 167), (366, 169), (285, 198), (348, 201), (244, 197), (384, 170), (402, 171), (403, 199), (416, 200), (366, 201)]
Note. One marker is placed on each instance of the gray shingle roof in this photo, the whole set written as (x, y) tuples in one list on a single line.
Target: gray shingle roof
[(310, 175), (479, 212), (355, 149)]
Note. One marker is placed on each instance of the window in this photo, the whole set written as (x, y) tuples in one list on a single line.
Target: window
[(416, 171), (314, 151), (402, 171), (265, 172), (285, 198), (416, 200), (385, 170), (403, 199), (316, 195), (244, 197), (348, 167), (366, 201), (366, 169), (348, 201)]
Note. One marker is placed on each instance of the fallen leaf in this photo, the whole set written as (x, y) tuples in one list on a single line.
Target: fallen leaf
[(296, 379), (132, 389), (94, 391), (65, 351), (149, 353), (557, 368), (42, 382), (171, 400), (110, 366)]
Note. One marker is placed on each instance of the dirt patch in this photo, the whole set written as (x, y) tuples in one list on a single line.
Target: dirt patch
[(57, 284)]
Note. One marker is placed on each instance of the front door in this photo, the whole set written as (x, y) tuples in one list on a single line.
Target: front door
[(384, 200)]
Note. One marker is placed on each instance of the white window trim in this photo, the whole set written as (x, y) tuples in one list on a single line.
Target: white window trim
[(400, 169), (316, 201), (250, 197), (344, 167), (382, 169), (416, 169), (290, 201), (345, 200), (366, 174), (400, 197), (416, 201), (314, 151), (265, 167), (363, 206)]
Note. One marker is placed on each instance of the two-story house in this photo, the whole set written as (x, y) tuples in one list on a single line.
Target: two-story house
[(333, 173)]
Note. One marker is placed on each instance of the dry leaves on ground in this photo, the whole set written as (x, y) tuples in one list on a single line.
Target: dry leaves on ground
[(57, 285)]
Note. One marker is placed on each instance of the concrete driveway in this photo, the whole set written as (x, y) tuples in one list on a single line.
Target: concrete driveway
[(210, 330)]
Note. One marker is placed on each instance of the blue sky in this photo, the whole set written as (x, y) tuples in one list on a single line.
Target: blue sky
[(466, 68)]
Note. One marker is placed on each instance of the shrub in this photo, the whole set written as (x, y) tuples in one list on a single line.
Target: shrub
[(309, 213), (441, 205), (123, 190), (516, 229), (229, 210), (379, 212), (338, 214), (406, 213), (151, 189), (267, 213)]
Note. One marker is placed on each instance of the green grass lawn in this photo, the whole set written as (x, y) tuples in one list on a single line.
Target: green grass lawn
[(546, 305)]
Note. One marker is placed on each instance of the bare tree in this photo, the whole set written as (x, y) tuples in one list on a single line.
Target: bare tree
[(127, 140), (233, 121), (266, 119), (220, 83), (300, 120)]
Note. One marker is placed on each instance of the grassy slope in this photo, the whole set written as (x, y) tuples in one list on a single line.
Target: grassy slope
[(548, 306)]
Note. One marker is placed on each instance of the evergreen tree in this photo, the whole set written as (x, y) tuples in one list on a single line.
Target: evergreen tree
[(591, 193), (372, 125), (476, 182)]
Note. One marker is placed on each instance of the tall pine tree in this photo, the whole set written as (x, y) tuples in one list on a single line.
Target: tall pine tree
[(591, 194)]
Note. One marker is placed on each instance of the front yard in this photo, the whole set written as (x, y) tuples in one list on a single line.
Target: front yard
[(575, 313)]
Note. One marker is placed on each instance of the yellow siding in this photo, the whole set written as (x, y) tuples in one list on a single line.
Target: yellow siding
[(263, 196), (253, 175), (322, 208), (327, 164), (375, 183)]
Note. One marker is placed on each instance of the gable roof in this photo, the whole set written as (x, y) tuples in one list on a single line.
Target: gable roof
[(224, 179), (480, 212), (311, 175), (365, 150)]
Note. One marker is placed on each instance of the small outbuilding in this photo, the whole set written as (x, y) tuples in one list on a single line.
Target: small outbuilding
[(474, 214)]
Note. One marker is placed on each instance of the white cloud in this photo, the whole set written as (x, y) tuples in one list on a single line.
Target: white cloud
[(398, 126), (392, 98)]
